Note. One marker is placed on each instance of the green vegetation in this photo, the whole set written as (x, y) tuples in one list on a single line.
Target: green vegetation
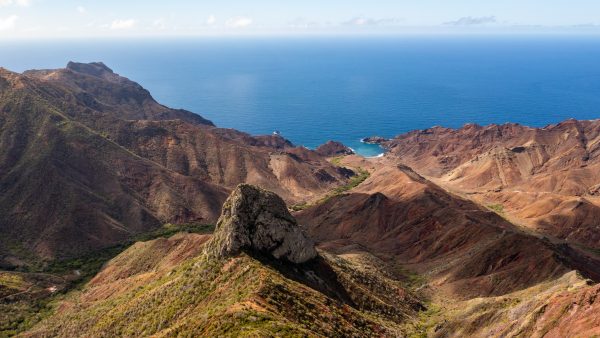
[(169, 230), (497, 208), (337, 161), (207, 297), (88, 265), (411, 279), (299, 206), (20, 315), (426, 321), (354, 181), (17, 249), (20, 307), (12, 281)]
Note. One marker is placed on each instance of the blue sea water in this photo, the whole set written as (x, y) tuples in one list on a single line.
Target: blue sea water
[(317, 89)]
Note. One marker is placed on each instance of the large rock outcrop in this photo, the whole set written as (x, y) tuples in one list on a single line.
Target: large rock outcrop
[(258, 221), (333, 148)]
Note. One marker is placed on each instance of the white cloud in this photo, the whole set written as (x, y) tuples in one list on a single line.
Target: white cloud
[(123, 24), (211, 20), (8, 23), (81, 10), (33, 29), (20, 3), (370, 22), (472, 21), (303, 23), (239, 22), (160, 24)]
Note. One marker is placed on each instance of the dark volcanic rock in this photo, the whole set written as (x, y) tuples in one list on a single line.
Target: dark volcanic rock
[(333, 148), (258, 221), (93, 68), (374, 140)]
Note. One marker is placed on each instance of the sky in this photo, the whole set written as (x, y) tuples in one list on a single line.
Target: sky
[(21, 19)]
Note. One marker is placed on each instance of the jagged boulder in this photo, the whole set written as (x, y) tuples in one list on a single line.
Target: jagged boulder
[(374, 140), (258, 221)]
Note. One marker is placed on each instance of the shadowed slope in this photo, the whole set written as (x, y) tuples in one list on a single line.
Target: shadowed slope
[(179, 140), (166, 287), (88, 159), (463, 249), (66, 189), (547, 178)]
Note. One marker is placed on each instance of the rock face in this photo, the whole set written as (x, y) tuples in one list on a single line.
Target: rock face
[(374, 140), (258, 221), (333, 148)]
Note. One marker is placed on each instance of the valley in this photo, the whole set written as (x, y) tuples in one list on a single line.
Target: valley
[(123, 217)]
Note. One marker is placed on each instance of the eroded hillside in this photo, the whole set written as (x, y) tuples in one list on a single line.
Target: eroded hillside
[(545, 178), (479, 231), (199, 285), (88, 160)]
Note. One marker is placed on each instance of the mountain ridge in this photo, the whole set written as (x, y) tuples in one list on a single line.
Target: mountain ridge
[(75, 139), (480, 231), (178, 286), (539, 175)]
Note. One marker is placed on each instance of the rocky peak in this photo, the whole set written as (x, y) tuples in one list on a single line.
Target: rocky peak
[(333, 148), (3, 81), (11, 79), (258, 221), (97, 69)]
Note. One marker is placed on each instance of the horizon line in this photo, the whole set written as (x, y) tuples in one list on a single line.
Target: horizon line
[(228, 35)]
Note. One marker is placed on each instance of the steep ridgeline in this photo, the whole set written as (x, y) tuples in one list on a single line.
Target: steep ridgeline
[(547, 179), (463, 249), (257, 276), (88, 159), (482, 275)]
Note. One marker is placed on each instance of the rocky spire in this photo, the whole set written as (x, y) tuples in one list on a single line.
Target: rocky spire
[(256, 220)]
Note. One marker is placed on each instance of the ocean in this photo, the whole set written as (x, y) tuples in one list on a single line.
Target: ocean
[(317, 89)]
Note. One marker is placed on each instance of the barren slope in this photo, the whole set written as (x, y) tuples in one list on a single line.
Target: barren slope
[(482, 275), (464, 249), (546, 178), (88, 159)]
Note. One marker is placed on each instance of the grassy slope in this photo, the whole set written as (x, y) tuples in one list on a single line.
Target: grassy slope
[(532, 312), (25, 298), (360, 176), (198, 296)]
